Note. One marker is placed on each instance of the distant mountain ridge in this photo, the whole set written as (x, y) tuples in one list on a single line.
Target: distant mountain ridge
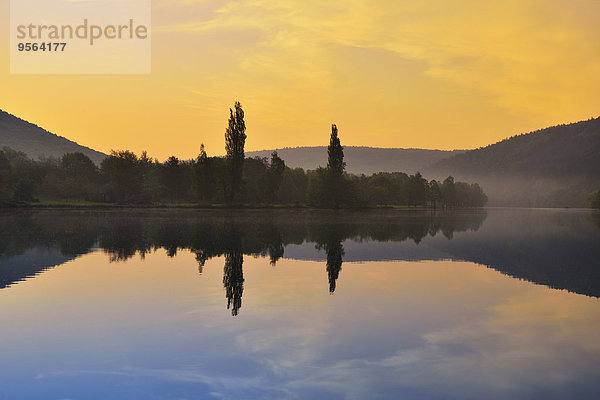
[(561, 150), (555, 166), (361, 160), (37, 142)]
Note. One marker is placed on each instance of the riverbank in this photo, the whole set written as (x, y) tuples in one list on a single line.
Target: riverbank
[(185, 206)]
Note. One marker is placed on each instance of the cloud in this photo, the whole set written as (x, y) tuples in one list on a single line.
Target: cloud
[(526, 56)]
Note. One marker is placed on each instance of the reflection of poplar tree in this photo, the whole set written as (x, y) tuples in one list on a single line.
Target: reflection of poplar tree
[(334, 251), (233, 280), (329, 236)]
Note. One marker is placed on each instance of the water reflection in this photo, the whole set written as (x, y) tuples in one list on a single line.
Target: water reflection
[(233, 274), (595, 217), (555, 249), (124, 234), (152, 327)]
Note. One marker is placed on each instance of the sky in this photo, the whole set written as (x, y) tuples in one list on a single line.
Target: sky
[(425, 74)]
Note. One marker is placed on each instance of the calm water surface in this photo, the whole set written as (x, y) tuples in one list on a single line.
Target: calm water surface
[(492, 304)]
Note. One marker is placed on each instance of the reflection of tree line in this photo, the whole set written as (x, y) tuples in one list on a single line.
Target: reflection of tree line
[(595, 217), (230, 234)]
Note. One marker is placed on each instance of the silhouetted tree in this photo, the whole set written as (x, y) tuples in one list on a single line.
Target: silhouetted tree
[(294, 184), (273, 177), (175, 178), (319, 192), (121, 171), (205, 181), (327, 187), (417, 189), (221, 178), (80, 176), (336, 167), (335, 154), (150, 178), (78, 164), (254, 180), (235, 139)]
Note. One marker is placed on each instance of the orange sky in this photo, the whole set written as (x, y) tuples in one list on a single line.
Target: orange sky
[(429, 74)]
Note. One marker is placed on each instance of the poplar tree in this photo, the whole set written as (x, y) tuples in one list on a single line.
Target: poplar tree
[(335, 167), (335, 153), (235, 139)]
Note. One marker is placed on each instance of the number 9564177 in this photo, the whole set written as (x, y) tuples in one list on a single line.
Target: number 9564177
[(49, 46)]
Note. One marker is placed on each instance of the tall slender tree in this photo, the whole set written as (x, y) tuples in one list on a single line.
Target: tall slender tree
[(235, 139), (335, 153), (335, 167)]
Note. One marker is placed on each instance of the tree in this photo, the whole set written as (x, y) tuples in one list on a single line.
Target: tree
[(273, 177), (175, 178), (417, 189), (122, 172), (448, 192), (150, 176), (478, 197), (335, 167), (319, 191), (78, 165), (294, 183), (335, 154), (205, 183), (25, 190), (434, 193), (80, 176), (254, 180), (235, 139), (170, 177)]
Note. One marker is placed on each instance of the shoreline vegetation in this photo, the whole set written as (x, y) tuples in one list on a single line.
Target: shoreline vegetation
[(197, 206), (124, 180)]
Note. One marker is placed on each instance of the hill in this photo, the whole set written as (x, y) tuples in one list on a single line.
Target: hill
[(556, 166), (361, 160), (36, 142)]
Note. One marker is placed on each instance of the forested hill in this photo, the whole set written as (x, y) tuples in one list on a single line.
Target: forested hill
[(562, 150), (557, 166), (361, 160), (34, 141)]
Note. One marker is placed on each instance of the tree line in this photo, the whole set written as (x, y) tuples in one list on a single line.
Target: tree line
[(126, 178)]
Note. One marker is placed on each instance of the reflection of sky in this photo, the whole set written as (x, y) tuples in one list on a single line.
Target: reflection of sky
[(157, 329)]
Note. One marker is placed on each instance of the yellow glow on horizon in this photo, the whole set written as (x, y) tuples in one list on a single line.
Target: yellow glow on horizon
[(432, 74)]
